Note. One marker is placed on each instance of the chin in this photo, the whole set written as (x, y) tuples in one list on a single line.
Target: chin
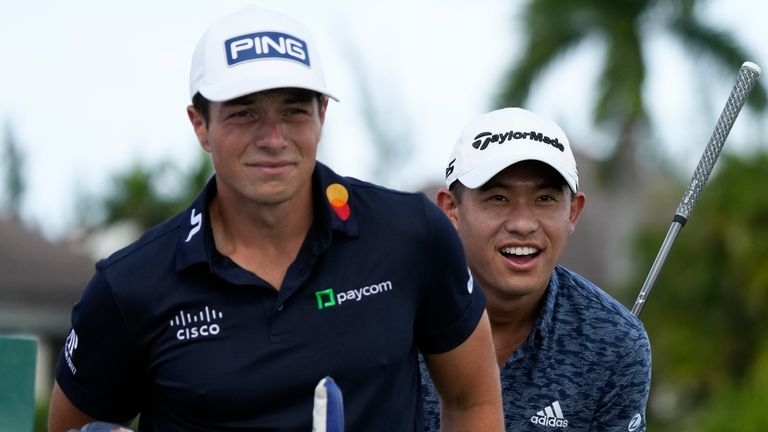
[(529, 288), (522, 292)]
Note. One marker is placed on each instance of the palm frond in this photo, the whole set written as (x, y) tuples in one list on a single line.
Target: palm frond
[(621, 81), (719, 47), (537, 55)]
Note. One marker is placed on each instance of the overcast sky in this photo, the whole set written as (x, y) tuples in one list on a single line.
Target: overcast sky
[(91, 86)]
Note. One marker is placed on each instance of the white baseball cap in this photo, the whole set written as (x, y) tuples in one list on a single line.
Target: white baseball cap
[(495, 140), (253, 50)]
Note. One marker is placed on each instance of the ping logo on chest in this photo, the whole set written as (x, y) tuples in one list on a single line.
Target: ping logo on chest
[(266, 45)]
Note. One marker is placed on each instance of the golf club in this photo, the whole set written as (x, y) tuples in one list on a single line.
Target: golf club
[(328, 410), (748, 74)]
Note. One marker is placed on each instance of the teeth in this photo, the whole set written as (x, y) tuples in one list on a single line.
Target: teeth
[(519, 251)]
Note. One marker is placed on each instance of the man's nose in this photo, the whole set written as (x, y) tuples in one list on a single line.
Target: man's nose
[(521, 220), (270, 134)]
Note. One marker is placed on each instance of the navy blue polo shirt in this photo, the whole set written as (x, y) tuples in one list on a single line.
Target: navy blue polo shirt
[(170, 328), (586, 366)]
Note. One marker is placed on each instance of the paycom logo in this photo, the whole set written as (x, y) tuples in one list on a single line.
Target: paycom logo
[(328, 298)]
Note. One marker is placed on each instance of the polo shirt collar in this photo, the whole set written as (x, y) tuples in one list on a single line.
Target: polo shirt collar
[(195, 237), (334, 201), (544, 321), (334, 212)]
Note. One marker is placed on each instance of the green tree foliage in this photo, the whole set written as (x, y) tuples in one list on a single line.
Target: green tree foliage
[(741, 408), (706, 315), (13, 167), (146, 194), (553, 27), (41, 415)]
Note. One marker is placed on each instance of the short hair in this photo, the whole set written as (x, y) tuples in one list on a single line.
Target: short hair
[(457, 189), (200, 103)]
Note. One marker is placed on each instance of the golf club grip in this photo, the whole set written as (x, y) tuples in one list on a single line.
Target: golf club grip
[(748, 74)]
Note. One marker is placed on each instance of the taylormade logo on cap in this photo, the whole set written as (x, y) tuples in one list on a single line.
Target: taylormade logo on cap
[(498, 139), (482, 144), (256, 46)]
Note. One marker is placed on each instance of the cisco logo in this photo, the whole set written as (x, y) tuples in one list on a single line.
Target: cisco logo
[(196, 325)]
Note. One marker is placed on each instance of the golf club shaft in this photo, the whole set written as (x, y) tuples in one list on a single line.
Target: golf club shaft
[(748, 74)]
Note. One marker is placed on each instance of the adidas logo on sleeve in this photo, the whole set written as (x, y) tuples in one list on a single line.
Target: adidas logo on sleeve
[(550, 416)]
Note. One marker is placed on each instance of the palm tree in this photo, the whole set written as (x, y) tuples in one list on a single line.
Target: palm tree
[(138, 194), (13, 162), (552, 27)]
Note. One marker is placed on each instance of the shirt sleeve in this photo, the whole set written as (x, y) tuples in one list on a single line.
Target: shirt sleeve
[(622, 404), (98, 369), (452, 304), (431, 414)]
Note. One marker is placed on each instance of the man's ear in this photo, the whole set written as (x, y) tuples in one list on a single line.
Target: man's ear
[(448, 203), (578, 202), (200, 127)]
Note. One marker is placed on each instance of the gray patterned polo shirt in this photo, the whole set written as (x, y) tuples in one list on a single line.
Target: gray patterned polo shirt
[(586, 366)]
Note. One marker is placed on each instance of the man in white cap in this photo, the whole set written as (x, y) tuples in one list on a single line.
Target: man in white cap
[(280, 273), (571, 357)]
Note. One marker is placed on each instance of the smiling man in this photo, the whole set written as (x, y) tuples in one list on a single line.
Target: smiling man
[(280, 273), (571, 357)]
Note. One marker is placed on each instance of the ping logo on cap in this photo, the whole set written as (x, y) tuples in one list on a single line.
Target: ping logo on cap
[(265, 45)]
